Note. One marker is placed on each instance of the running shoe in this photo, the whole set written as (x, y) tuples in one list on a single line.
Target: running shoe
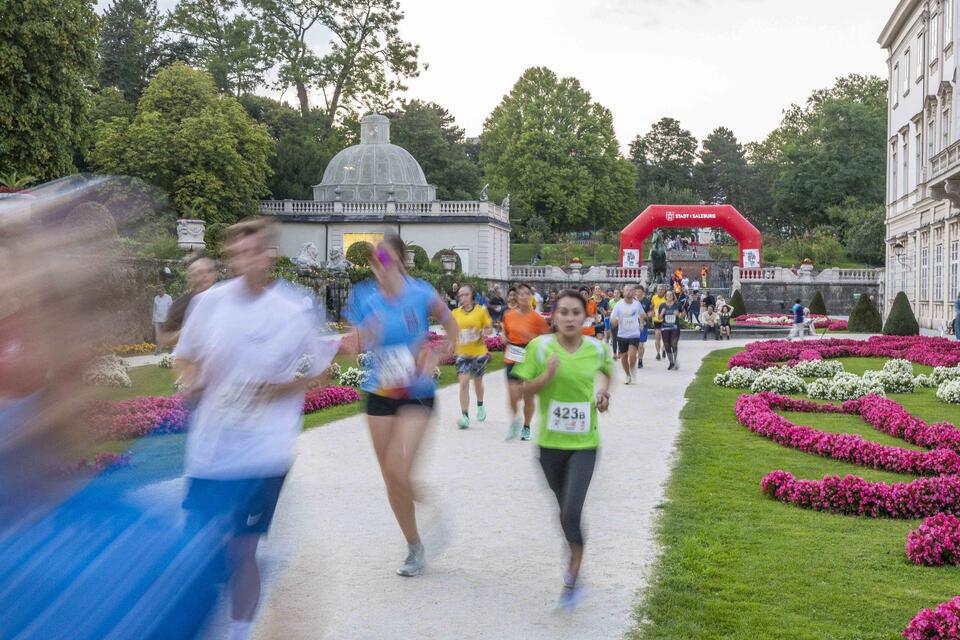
[(514, 429), (463, 422), (570, 597), (629, 380), (640, 364), (413, 565), (481, 413), (525, 434), (658, 355)]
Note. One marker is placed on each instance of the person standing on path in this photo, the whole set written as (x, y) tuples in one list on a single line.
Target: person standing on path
[(201, 275), (240, 355), (797, 329), (496, 305), (161, 307), (472, 357), (520, 326), (658, 298), (629, 320), (562, 370), (694, 308), (391, 314), (670, 313)]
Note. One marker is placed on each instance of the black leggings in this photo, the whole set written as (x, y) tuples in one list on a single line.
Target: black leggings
[(568, 473), (671, 337)]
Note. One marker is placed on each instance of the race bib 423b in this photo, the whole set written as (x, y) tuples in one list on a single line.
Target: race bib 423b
[(569, 417)]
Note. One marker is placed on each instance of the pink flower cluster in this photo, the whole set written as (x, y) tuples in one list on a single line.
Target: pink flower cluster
[(148, 415), (942, 623), (851, 495), (756, 412), (935, 542), (890, 417), (325, 397), (102, 461), (936, 352), (782, 319), (495, 343)]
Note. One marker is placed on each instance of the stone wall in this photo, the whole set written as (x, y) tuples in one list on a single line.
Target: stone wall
[(764, 297)]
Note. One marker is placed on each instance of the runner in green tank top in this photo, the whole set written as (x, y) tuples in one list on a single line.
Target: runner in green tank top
[(562, 369)]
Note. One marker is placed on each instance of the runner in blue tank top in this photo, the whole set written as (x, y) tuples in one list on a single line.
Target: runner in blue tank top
[(391, 314)]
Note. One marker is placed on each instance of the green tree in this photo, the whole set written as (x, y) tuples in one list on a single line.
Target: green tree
[(864, 317), (665, 156), (47, 57), (737, 304), (901, 321), (129, 46), (197, 145), (817, 304), (723, 173), (666, 194), (227, 41), (554, 150), (862, 229), (429, 132), (110, 103)]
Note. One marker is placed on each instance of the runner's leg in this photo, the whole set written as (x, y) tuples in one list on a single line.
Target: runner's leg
[(632, 357), (568, 474), (464, 380), (245, 576)]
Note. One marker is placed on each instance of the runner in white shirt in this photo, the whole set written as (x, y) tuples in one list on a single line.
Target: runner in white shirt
[(630, 322), (248, 351)]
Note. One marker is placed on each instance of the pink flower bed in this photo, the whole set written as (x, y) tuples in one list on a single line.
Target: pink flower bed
[(936, 352), (936, 624), (756, 412), (325, 397), (105, 460), (935, 542), (785, 320), (149, 415)]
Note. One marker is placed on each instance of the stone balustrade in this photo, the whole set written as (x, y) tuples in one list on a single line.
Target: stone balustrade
[(783, 275), (466, 208), (595, 274)]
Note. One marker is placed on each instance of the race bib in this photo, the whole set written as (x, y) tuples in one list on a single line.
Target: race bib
[(516, 353), (569, 417), (469, 335), (630, 325), (395, 367), (589, 322), (670, 318)]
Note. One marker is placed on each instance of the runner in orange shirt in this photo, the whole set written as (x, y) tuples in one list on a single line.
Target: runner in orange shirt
[(520, 326)]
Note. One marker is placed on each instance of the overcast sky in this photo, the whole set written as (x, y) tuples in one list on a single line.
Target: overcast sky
[(736, 63)]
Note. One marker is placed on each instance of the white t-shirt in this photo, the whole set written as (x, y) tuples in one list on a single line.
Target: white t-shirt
[(161, 307), (629, 317), (695, 285), (539, 302), (240, 341)]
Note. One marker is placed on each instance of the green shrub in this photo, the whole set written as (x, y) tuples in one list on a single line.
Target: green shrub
[(421, 260), (864, 317), (359, 253), (437, 262), (213, 235), (901, 321), (739, 308), (817, 305)]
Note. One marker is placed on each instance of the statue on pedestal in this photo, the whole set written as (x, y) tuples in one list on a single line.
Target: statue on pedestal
[(658, 258)]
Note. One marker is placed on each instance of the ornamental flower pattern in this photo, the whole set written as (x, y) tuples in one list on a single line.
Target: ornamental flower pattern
[(935, 352)]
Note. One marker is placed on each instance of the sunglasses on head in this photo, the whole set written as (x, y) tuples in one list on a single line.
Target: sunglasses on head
[(384, 258)]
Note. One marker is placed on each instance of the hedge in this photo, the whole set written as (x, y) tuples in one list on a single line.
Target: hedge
[(901, 321), (864, 317), (817, 305), (739, 308)]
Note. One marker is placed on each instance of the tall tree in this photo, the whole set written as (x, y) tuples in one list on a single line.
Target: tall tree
[(723, 174), (665, 156), (47, 56), (129, 46), (227, 42), (555, 151), (429, 132), (196, 144)]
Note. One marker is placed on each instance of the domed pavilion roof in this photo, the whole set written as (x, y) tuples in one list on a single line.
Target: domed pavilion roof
[(374, 170)]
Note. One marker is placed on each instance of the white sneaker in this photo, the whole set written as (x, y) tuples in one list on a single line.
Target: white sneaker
[(629, 380), (413, 565)]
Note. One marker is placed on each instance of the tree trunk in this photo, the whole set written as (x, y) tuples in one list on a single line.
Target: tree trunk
[(333, 106), (303, 98)]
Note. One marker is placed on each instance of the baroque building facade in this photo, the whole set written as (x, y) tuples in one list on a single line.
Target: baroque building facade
[(923, 159), (374, 188)]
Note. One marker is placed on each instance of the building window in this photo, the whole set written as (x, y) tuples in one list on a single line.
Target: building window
[(938, 271), (924, 269), (918, 154), (352, 238), (896, 84), (918, 50), (931, 138), (906, 164), (947, 23), (905, 66), (954, 266), (934, 40), (946, 128), (893, 169)]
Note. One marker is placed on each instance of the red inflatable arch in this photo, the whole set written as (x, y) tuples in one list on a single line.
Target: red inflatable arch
[(669, 215)]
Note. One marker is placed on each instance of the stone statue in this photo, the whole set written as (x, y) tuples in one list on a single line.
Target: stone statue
[(337, 260), (483, 192), (506, 203), (658, 258), (308, 257), (190, 235)]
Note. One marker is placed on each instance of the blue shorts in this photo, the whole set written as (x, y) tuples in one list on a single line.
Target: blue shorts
[(643, 334), (606, 324)]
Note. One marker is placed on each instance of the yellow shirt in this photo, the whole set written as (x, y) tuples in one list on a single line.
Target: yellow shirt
[(470, 343), (657, 301)]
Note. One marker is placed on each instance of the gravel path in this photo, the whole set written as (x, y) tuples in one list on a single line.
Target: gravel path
[(334, 547)]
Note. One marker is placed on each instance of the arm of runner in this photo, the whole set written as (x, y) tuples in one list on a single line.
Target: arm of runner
[(615, 317), (606, 375), (534, 385), (442, 314)]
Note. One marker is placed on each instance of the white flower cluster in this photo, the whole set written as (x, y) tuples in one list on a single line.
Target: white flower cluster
[(949, 391), (923, 380), (736, 378), (352, 377), (107, 371), (891, 382), (365, 359), (334, 371), (166, 361), (844, 386), (942, 374), (818, 368), (778, 380), (898, 366)]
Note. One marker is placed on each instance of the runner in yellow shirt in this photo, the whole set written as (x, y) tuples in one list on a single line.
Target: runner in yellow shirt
[(475, 324), (657, 299)]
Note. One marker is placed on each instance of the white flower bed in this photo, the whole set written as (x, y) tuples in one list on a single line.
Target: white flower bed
[(949, 391), (167, 361), (844, 386), (892, 382), (898, 366), (736, 378), (923, 380), (778, 380), (942, 374), (818, 368), (352, 377), (107, 371)]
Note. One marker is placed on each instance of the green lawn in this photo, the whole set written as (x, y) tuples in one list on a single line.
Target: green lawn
[(738, 565)]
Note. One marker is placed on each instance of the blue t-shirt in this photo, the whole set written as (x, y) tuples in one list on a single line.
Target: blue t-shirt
[(399, 324), (797, 313)]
